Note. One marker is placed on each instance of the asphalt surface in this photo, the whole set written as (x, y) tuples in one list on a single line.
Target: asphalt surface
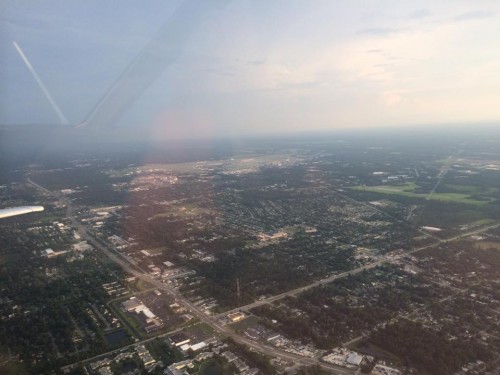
[(213, 321)]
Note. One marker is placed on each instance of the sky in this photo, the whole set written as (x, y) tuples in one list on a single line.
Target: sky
[(242, 67)]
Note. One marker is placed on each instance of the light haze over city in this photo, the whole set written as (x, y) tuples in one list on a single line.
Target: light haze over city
[(250, 187), (257, 66)]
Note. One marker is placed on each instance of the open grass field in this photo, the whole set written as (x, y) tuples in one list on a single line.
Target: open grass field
[(139, 285), (408, 190), (483, 222), (199, 332), (471, 189), (128, 321), (245, 323)]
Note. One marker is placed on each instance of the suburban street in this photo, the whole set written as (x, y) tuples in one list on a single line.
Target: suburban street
[(214, 321)]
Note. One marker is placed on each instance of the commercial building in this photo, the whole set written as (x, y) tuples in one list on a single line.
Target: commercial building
[(236, 317)]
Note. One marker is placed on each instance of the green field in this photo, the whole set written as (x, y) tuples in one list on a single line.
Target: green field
[(483, 222), (408, 190), (139, 285), (245, 323), (199, 332), (128, 322)]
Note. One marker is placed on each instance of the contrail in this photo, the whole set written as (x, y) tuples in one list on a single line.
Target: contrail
[(61, 116)]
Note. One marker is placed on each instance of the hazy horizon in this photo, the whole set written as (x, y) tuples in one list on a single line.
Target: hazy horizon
[(239, 68)]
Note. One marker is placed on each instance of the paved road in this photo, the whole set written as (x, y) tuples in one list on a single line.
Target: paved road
[(210, 320), (213, 320), (102, 355), (393, 218), (387, 258)]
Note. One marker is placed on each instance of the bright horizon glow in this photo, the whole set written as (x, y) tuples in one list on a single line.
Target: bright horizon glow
[(257, 67)]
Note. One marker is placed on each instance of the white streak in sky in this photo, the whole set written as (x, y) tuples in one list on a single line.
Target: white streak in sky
[(61, 116)]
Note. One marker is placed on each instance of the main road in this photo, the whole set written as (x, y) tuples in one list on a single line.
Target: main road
[(213, 321), (210, 320), (385, 259)]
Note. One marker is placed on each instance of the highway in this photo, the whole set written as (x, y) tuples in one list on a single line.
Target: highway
[(213, 321), (210, 320)]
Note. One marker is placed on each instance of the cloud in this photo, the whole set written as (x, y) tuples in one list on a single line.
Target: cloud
[(391, 98), (379, 31), (419, 14), (473, 15), (256, 62), (401, 61)]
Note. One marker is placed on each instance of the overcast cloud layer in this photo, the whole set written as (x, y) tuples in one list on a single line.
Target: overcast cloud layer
[(258, 66)]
